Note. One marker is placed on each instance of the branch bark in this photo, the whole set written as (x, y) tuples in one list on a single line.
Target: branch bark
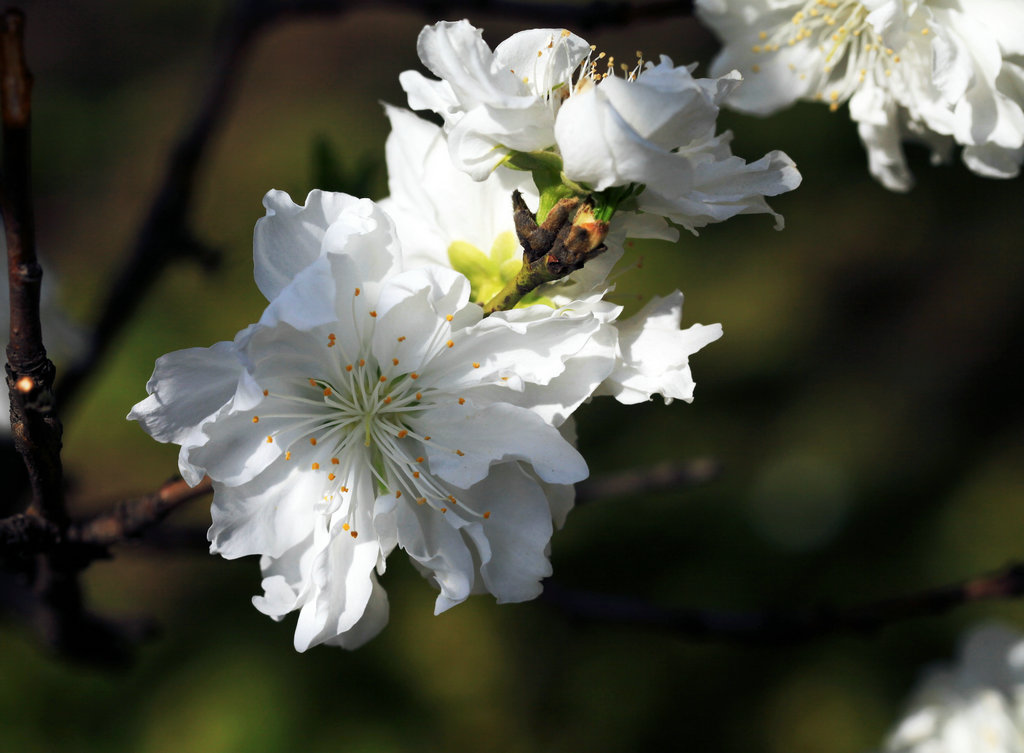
[(782, 626), (34, 423)]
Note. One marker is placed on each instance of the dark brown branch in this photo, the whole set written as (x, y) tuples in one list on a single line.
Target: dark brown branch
[(22, 536), (663, 477), (132, 517), (779, 626), (34, 423)]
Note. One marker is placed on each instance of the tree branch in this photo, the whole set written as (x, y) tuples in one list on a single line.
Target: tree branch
[(662, 477), (34, 423), (131, 518), (783, 627)]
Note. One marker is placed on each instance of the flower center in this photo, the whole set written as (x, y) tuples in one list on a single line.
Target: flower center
[(847, 48), (353, 421)]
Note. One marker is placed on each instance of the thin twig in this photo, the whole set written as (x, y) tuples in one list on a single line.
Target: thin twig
[(781, 626), (663, 477)]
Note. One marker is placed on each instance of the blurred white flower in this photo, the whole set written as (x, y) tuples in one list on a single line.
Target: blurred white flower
[(369, 408), (974, 706), (649, 132), (446, 218), (935, 72)]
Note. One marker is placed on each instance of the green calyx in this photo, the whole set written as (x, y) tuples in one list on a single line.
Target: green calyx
[(489, 274)]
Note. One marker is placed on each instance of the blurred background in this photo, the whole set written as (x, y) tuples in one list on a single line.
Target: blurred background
[(863, 405)]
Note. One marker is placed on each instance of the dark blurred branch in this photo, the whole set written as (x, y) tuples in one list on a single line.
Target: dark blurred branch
[(132, 517), (34, 423), (778, 626), (25, 535), (165, 234), (583, 16), (663, 477)]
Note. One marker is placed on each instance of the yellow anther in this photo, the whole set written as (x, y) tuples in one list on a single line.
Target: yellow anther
[(357, 291), (328, 392), (403, 434), (373, 314), (348, 368), (462, 401), (449, 318), (330, 477), (266, 392), (450, 344), (345, 526), (344, 488), (387, 400), (316, 466), (755, 68), (421, 501), (426, 438), (414, 375), (476, 365), (760, 35), (398, 494), (362, 362), (255, 419), (755, 49), (444, 510), (924, 32), (419, 395), (334, 461), (270, 439), (383, 379), (420, 459), (312, 382), (415, 474), (288, 455), (394, 361), (401, 339), (312, 441), (460, 453), (354, 534), (487, 515)]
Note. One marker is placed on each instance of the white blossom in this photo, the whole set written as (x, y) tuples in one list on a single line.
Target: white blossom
[(371, 407), (973, 706), (493, 101), (924, 70), (447, 218), (652, 128), (656, 126)]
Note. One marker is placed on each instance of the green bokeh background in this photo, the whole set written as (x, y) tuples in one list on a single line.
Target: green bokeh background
[(863, 405)]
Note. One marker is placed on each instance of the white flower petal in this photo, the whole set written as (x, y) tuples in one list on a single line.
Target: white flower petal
[(490, 434)]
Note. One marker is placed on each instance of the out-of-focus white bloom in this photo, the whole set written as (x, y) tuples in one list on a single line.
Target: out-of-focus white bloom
[(656, 127), (974, 706), (540, 92), (493, 101), (936, 72), (369, 408), (447, 218)]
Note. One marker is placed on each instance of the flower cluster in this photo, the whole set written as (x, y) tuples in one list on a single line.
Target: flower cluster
[(542, 101), (974, 706), (935, 72), (412, 379)]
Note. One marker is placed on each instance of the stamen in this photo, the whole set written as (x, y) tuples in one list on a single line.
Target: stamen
[(255, 419)]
